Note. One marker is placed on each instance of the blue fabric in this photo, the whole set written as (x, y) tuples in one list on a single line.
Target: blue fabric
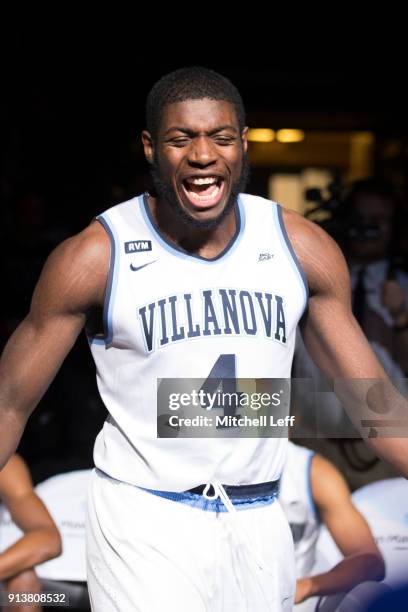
[(195, 500)]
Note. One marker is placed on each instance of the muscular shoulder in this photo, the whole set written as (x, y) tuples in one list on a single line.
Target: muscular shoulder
[(89, 245), (75, 274), (318, 254)]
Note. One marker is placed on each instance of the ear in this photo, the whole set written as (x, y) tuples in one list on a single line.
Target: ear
[(244, 138), (148, 146)]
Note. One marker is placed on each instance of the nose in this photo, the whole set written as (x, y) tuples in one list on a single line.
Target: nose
[(202, 152)]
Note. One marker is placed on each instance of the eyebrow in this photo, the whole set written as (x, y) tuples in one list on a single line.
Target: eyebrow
[(193, 133)]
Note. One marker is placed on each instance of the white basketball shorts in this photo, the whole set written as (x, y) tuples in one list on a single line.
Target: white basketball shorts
[(147, 553)]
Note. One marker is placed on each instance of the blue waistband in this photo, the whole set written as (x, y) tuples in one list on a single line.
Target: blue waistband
[(263, 495)]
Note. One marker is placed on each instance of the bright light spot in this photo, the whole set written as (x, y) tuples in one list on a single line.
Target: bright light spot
[(261, 135), (290, 135)]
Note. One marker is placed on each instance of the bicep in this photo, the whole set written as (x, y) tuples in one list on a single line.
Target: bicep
[(72, 281), (32, 357), (335, 341), (331, 334)]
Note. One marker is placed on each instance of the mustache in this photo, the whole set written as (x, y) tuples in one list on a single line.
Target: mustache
[(164, 190)]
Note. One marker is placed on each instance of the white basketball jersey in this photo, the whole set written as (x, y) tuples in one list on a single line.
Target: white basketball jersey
[(171, 314), (295, 496)]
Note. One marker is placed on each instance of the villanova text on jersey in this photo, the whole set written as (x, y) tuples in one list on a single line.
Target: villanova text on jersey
[(223, 312), (170, 314)]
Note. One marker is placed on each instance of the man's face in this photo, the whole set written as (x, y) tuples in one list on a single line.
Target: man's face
[(199, 162), (378, 213)]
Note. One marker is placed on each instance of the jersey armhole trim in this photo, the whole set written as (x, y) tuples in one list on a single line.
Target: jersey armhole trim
[(292, 255), (111, 284), (309, 491)]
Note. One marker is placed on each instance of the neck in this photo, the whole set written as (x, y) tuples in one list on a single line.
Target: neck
[(206, 242)]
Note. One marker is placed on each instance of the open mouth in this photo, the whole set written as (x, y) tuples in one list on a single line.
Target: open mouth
[(204, 191)]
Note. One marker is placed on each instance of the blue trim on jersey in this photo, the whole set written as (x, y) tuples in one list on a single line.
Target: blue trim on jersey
[(178, 251), (309, 485), (95, 340), (110, 287), (195, 500), (292, 255)]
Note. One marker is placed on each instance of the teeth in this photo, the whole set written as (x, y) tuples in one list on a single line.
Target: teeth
[(208, 180), (204, 198)]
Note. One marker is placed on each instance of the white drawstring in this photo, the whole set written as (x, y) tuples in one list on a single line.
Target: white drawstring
[(220, 492), (239, 529)]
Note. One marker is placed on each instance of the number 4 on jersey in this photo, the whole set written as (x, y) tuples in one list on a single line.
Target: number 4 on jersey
[(222, 378)]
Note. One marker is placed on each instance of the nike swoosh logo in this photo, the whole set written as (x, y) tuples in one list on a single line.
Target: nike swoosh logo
[(136, 268)]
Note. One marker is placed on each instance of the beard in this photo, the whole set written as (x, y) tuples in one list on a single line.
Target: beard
[(166, 192)]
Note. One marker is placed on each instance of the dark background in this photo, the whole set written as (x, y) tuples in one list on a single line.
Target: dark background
[(71, 113)]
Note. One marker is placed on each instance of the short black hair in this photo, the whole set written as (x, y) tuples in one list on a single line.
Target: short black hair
[(372, 186), (193, 83)]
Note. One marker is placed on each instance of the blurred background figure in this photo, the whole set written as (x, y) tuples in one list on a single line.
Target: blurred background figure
[(380, 284), (64, 496), (384, 506), (39, 541), (313, 493), (368, 222)]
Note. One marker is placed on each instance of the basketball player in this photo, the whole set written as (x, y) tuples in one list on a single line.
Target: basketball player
[(40, 540), (312, 493), (195, 280)]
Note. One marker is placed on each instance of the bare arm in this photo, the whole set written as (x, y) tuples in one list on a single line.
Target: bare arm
[(41, 540), (73, 281), (350, 531), (335, 340)]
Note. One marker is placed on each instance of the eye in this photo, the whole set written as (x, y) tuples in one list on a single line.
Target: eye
[(181, 141), (224, 140)]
